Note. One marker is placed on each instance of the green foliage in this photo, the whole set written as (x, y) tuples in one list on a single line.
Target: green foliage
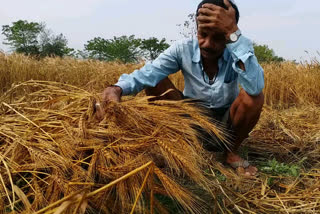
[(32, 38), (275, 168), (125, 49), (221, 177), (22, 36), (265, 54), (152, 47), (54, 45)]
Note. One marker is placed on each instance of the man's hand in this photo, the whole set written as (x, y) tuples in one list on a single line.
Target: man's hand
[(216, 18), (112, 93)]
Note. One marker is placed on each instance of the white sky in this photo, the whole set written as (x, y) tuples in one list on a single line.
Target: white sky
[(290, 27)]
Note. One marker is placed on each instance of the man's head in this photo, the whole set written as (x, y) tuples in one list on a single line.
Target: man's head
[(220, 4), (217, 17)]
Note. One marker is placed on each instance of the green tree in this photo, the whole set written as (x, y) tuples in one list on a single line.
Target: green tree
[(54, 45), (153, 47), (266, 54), (32, 38), (97, 48), (125, 49), (22, 36)]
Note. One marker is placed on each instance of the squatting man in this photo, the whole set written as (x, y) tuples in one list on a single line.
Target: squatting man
[(213, 66)]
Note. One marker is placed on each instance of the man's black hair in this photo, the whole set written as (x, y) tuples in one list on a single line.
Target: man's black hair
[(221, 4)]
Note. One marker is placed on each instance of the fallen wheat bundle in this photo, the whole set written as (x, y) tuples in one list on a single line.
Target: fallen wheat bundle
[(56, 157)]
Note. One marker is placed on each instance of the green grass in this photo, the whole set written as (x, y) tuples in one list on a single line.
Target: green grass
[(275, 168)]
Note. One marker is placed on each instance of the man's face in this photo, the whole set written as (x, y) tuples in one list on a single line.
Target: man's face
[(211, 43)]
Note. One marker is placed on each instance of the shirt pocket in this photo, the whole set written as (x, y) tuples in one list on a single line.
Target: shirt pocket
[(230, 92)]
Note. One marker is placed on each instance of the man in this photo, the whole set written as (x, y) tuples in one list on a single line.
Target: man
[(213, 65)]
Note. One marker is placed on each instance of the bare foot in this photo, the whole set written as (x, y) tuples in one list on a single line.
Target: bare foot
[(241, 166)]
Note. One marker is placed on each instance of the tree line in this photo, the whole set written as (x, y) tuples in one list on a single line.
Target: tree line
[(35, 39)]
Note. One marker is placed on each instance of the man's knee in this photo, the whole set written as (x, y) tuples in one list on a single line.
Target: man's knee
[(253, 103)]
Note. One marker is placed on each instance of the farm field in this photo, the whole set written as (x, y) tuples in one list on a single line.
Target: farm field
[(56, 157)]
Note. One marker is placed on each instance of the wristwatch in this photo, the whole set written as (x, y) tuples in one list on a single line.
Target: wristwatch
[(235, 36)]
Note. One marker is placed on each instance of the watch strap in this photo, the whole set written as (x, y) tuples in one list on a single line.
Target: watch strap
[(238, 32), (235, 36)]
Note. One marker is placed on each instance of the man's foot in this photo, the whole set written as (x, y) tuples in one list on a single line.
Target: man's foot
[(240, 165)]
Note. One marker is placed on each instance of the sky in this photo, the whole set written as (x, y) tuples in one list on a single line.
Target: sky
[(290, 27)]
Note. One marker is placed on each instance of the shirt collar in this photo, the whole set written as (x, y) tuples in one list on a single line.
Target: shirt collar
[(196, 58)]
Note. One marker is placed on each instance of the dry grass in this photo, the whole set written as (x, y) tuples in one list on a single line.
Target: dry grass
[(89, 74), (291, 136), (290, 85), (55, 155), (51, 141)]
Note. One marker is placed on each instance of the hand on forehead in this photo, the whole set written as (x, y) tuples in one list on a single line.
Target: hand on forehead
[(215, 7), (216, 17)]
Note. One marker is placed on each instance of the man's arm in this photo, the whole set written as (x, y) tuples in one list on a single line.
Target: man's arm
[(148, 76), (152, 73), (245, 63)]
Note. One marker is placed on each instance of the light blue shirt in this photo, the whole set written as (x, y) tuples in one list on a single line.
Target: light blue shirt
[(185, 55)]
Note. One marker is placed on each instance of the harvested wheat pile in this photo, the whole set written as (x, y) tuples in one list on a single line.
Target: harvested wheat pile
[(55, 155)]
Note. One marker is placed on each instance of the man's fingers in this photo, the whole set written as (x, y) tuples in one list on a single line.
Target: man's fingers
[(227, 3), (99, 111), (205, 19), (211, 7), (206, 12)]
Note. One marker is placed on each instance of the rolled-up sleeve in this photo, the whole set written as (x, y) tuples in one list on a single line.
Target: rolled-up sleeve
[(152, 73), (252, 79)]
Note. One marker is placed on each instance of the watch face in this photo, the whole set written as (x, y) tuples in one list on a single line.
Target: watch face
[(233, 37)]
